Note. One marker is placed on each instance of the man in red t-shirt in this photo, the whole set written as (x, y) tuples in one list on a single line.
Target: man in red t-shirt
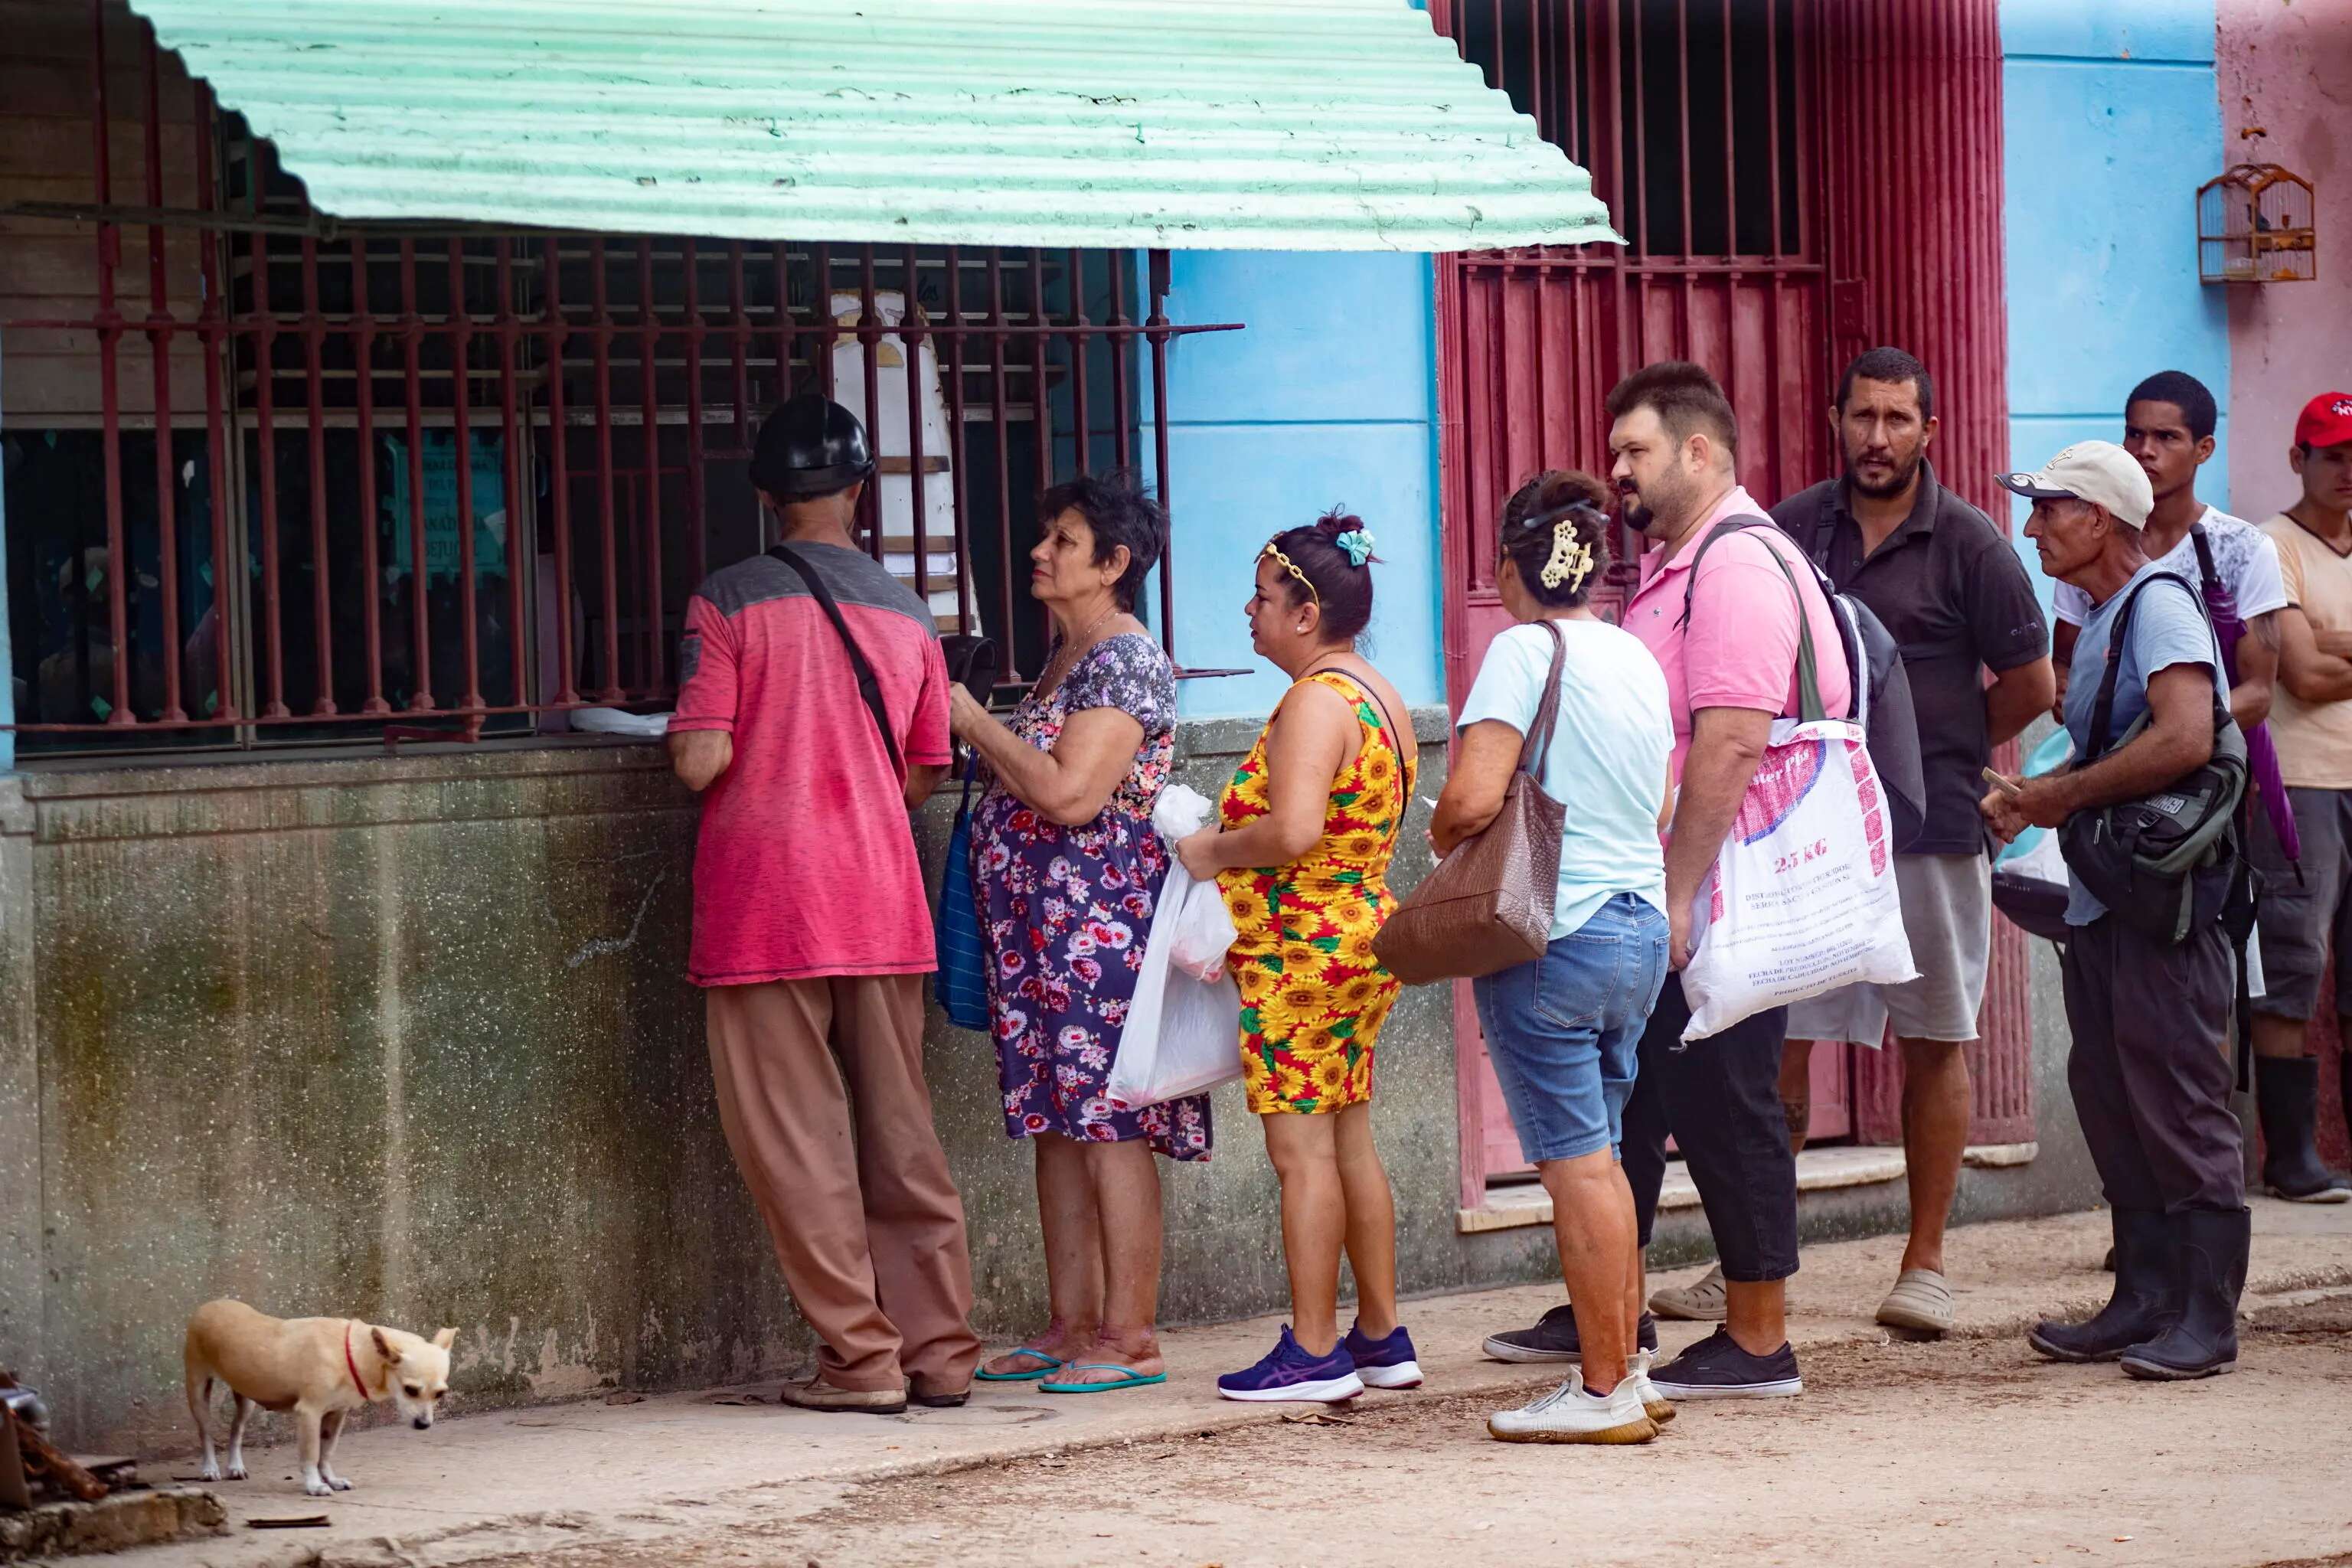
[(812, 931)]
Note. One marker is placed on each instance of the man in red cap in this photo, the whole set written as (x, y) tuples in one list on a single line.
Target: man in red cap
[(2311, 720)]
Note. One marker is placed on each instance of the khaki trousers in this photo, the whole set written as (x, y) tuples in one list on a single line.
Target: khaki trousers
[(821, 1093)]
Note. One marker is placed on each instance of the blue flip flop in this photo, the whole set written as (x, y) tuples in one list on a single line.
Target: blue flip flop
[(1133, 1379), (1052, 1364)]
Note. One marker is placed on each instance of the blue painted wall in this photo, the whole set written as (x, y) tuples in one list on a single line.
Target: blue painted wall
[(2110, 121), (1329, 397)]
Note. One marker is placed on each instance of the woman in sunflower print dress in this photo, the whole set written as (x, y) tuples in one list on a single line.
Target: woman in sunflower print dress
[(1306, 830)]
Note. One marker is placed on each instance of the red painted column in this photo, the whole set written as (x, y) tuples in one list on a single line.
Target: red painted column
[(1914, 187)]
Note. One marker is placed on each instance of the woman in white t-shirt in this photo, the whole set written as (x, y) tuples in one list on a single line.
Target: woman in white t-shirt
[(1562, 1030)]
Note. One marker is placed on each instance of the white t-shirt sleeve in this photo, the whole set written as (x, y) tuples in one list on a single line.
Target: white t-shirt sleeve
[(2262, 586), (1510, 679), (2070, 604)]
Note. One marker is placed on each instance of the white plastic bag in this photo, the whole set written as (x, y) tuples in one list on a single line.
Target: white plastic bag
[(1802, 899), (1192, 917), (1184, 1029)]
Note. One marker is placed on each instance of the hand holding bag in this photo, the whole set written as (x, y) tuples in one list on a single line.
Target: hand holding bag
[(1488, 905)]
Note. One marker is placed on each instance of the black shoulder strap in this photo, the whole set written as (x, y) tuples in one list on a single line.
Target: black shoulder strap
[(2102, 711), (868, 686), (1823, 532), (2204, 557)]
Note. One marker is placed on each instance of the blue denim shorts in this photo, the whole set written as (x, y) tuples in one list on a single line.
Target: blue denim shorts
[(1564, 1030)]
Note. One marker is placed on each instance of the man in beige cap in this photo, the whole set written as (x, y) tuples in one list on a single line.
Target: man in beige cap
[(2149, 1070)]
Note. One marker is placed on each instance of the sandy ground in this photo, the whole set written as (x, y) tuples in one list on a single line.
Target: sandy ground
[(2024, 1460), (1973, 1452)]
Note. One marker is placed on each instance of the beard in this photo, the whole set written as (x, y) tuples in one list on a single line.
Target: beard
[(1636, 512), (1905, 472)]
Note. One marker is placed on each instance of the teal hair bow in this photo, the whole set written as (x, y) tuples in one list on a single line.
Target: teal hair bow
[(1358, 543)]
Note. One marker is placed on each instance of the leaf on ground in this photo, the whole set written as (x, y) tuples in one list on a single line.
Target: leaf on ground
[(623, 1396), (735, 1399), (1316, 1418)]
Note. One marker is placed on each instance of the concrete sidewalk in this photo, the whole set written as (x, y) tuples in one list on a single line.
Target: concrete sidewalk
[(525, 1480)]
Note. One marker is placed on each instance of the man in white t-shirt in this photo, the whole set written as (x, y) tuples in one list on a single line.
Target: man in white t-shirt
[(2168, 424)]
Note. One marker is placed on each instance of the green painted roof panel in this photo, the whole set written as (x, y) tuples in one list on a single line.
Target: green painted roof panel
[(1195, 124)]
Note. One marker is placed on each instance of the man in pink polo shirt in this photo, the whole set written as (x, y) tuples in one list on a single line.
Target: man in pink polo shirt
[(1726, 633)]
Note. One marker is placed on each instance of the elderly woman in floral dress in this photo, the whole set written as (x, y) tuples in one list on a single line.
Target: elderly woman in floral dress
[(1068, 871)]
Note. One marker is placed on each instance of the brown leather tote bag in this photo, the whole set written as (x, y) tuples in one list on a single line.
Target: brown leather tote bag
[(1488, 905)]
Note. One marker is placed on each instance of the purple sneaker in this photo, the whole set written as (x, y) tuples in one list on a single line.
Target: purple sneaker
[(1288, 1372), (1383, 1363)]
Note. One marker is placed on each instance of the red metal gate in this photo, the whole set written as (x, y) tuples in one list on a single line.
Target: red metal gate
[(1784, 173)]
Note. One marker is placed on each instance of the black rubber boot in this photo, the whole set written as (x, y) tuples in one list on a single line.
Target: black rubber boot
[(2344, 1085), (2286, 1092), (2211, 1247), (2142, 1307)]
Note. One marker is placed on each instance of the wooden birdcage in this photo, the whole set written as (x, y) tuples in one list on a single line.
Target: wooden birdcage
[(2255, 226)]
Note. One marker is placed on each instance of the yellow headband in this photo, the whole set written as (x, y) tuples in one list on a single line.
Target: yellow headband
[(1292, 567)]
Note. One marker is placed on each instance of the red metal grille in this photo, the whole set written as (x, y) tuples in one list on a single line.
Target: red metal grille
[(471, 476), (1797, 180), (1697, 122)]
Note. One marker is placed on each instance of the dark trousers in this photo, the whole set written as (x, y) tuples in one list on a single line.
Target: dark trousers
[(2150, 1070), (1720, 1099)]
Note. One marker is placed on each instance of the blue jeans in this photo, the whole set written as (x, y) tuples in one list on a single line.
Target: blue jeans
[(1564, 1030)]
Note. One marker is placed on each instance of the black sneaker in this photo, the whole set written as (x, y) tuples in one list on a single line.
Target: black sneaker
[(1716, 1368), (1554, 1337)]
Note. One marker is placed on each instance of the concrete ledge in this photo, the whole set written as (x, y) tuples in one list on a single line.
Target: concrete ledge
[(1509, 1208), (112, 1524)]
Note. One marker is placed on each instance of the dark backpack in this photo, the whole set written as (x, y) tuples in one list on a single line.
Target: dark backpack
[(1881, 701)]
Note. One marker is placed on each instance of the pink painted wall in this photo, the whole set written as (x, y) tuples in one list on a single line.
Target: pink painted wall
[(2286, 65)]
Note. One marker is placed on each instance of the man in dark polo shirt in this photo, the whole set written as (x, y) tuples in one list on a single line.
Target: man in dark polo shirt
[(1954, 594)]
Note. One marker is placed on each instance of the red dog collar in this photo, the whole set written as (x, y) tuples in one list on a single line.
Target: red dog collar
[(353, 1362)]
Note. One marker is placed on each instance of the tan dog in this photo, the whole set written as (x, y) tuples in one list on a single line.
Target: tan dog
[(319, 1368)]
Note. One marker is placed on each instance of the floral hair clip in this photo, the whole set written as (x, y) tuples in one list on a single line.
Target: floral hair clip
[(1572, 558), (1358, 543)]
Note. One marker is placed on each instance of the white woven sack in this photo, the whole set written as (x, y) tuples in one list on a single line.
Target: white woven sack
[(1802, 899)]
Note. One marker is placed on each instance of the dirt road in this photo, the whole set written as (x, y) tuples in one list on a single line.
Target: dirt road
[(1964, 1453)]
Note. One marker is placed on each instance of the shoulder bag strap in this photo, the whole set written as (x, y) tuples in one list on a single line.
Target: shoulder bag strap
[(1386, 717), (2103, 712), (868, 686), (2205, 567), (1537, 747), (1729, 525), (1810, 705)]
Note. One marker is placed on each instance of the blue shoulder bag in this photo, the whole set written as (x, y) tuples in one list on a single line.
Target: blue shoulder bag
[(963, 980)]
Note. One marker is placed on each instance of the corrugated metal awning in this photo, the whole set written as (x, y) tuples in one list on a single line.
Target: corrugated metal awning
[(1196, 124)]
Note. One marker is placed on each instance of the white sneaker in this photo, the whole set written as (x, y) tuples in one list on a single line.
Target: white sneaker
[(1569, 1415), (1658, 1407), (1699, 1303)]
